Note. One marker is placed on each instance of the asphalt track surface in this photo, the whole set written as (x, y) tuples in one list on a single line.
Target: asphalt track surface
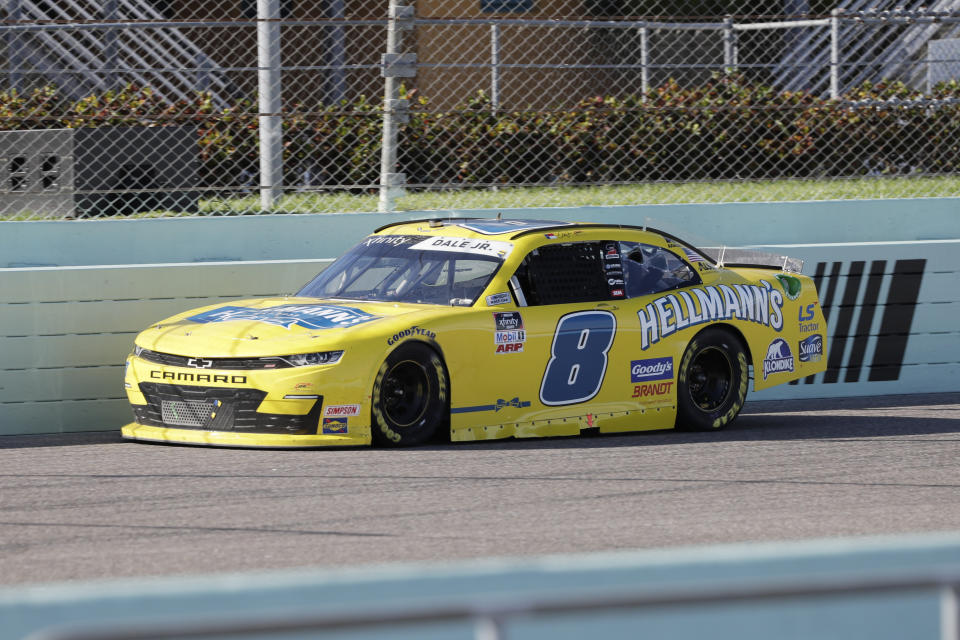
[(88, 506)]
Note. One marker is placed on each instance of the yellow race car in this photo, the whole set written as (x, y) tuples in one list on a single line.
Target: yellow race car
[(473, 329)]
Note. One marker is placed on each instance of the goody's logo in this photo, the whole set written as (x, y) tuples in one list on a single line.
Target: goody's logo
[(651, 369), (811, 349), (779, 358), (309, 316)]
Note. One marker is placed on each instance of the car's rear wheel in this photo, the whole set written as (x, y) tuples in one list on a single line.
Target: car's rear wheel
[(713, 379), (410, 395)]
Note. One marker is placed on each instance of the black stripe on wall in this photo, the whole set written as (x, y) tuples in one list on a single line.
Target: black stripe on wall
[(844, 319), (897, 320), (855, 364)]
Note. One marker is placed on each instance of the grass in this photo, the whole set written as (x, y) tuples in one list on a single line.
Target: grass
[(566, 196)]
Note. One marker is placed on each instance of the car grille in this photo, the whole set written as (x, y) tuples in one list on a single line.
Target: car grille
[(217, 409), (235, 364)]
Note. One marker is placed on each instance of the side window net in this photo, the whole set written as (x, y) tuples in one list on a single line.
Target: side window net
[(563, 273)]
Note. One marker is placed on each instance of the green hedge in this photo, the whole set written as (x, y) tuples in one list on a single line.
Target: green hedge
[(726, 129)]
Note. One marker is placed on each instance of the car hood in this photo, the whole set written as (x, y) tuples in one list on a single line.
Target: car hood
[(276, 326)]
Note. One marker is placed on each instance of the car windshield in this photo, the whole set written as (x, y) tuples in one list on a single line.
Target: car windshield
[(418, 269)]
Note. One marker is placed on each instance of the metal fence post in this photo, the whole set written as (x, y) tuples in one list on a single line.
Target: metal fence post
[(395, 65), (494, 67), (950, 612), (269, 89), (14, 46), (835, 53), (110, 55), (729, 46), (644, 63)]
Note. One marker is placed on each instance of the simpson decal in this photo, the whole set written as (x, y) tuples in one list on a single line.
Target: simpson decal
[(492, 248), (309, 316), (675, 311), (652, 369), (341, 410), (779, 358)]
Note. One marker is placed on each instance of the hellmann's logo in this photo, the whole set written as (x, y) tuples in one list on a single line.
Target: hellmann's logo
[(670, 313)]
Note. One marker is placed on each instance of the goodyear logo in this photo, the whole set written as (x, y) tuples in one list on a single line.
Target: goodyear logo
[(309, 316), (333, 426)]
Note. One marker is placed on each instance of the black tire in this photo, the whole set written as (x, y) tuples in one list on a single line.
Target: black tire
[(410, 396), (713, 379)]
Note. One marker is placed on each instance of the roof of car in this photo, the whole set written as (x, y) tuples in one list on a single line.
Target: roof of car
[(516, 228)]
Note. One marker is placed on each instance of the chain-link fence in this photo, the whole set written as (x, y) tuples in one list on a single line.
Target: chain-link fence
[(182, 107)]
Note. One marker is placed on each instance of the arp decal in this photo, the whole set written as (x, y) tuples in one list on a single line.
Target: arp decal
[(334, 426), (651, 369), (779, 358), (675, 311), (310, 316), (510, 347), (855, 311)]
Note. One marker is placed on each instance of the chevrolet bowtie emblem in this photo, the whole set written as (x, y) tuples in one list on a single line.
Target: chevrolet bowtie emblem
[(199, 363), (503, 404)]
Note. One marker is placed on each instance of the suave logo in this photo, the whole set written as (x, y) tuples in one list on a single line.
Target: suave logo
[(779, 358), (651, 369), (811, 349)]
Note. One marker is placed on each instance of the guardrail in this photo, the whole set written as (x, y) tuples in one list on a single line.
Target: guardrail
[(488, 617)]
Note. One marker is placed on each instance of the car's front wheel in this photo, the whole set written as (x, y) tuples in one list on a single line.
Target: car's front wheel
[(410, 395), (712, 382)]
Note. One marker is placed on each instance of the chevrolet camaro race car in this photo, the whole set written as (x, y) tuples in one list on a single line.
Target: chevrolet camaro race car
[(474, 329)]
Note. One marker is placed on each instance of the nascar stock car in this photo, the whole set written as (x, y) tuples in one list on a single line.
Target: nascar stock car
[(473, 329)]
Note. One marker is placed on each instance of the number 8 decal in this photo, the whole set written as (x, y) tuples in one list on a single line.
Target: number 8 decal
[(578, 357)]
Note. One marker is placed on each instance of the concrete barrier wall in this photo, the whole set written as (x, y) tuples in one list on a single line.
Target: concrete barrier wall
[(895, 615), (65, 331)]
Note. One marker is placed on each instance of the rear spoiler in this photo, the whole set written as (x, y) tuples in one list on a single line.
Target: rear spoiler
[(731, 257)]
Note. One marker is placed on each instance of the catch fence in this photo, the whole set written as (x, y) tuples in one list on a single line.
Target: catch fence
[(181, 107)]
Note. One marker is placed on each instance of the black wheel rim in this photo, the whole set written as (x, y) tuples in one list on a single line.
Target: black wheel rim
[(405, 393), (710, 379)]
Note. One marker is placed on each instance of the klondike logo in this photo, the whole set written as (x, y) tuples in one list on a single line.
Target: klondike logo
[(667, 314)]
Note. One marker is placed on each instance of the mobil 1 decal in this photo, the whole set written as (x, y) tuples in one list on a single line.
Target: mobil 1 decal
[(509, 335), (850, 296)]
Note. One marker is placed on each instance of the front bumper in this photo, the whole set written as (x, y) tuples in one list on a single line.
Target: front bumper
[(279, 408)]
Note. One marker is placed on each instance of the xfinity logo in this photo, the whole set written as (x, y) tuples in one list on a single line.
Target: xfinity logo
[(199, 363)]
